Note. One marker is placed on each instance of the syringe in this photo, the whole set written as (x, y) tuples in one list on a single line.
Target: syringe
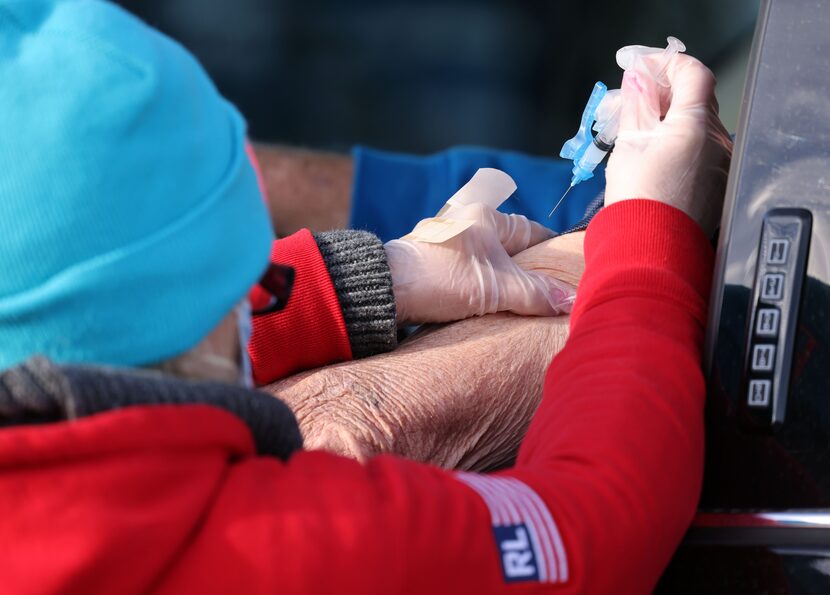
[(586, 150)]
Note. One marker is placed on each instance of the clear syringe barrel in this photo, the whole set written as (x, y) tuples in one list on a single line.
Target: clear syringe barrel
[(608, 135), (607, 124), (584, 166), (601, 144)]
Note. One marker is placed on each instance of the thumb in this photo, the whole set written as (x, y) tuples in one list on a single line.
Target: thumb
[(692, 85)]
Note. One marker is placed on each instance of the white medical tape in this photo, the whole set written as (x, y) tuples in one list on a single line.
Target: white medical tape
[(488, 186)]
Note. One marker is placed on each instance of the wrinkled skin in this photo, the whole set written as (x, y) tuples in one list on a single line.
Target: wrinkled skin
[(560, 257), (460, 396)]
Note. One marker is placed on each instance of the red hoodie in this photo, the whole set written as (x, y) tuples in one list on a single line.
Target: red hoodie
[(174, 499)]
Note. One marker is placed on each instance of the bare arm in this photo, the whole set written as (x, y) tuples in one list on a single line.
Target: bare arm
[(459, 396), (309, 189)]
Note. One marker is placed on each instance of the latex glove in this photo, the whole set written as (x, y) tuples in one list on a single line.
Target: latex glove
[(672, 146), (472, 274)]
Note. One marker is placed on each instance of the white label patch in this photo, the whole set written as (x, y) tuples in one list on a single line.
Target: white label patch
[(528, 541)]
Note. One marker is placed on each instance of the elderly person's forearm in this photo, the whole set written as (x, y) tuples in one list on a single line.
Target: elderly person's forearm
[(460, 396)]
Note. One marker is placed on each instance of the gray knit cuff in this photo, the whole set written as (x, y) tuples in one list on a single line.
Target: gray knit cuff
[(358, 269)]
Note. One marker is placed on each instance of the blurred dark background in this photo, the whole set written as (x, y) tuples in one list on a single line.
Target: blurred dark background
[(420, 76)]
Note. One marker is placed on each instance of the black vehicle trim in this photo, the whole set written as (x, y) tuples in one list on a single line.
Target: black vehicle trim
[(784, 528)]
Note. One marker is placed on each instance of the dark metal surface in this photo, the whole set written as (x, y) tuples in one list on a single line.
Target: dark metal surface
[(762, 553), (782, 160), (767, 478), (795, 528), (748, 570)]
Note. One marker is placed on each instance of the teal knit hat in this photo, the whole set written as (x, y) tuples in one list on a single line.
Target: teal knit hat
[(131, 221)]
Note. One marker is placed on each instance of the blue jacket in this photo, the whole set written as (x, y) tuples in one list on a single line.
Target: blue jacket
[(393, 191)]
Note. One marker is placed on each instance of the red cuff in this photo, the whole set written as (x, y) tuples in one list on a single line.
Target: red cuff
[(310, 332), (644, 246)]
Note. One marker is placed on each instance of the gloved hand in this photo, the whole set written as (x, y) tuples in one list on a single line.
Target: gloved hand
[(472, 273), (672, 146)]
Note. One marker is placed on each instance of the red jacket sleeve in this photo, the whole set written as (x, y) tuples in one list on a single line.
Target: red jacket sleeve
[(616, 448), (604, 486), (310, 331)]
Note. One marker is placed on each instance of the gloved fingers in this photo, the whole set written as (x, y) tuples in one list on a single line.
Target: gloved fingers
[(690, 94), (535, 294), (514, 232), (684, 82), (692, 85), (472, 273), (628, 57), (517, 232), (650, 64)]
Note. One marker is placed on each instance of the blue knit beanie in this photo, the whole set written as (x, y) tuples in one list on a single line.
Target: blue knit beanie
[(131, 221)]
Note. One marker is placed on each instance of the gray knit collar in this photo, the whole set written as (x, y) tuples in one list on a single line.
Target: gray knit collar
[(39, 391)]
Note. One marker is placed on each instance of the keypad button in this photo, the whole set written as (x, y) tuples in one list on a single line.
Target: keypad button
[(771, 330), (763, 358), (779, 251), (760, 393), (772, 287), (767, 321)]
